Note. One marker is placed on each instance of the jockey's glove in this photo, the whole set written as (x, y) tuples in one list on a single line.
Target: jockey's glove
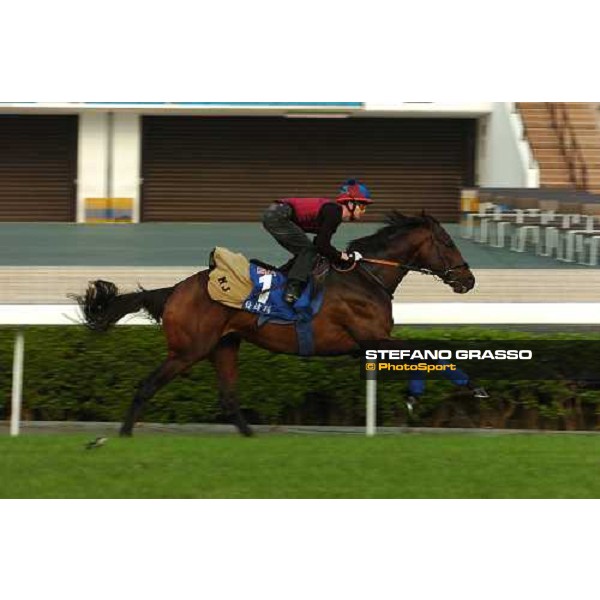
[(353, 257)]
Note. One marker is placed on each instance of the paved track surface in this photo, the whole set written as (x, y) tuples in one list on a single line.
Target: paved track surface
[(51, 285), (42, 263)]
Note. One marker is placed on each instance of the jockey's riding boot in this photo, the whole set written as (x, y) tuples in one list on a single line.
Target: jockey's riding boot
[(293, 291)]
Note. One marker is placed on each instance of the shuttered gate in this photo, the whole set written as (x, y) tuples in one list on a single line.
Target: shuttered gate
[(38, 168), (231, 168)]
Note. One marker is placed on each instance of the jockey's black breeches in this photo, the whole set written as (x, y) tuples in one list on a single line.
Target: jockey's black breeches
[(277, 220)]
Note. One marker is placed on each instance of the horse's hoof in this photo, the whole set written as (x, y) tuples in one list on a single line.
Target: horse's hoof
[(126, 434), (247, 433)]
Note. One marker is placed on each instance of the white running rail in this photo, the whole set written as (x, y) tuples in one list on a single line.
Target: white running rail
[(22, 316)]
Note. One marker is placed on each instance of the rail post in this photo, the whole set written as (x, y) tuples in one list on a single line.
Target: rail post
[(17, 383), (371, 403)]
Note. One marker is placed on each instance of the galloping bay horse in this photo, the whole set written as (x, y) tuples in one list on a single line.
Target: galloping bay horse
[(357, 307)]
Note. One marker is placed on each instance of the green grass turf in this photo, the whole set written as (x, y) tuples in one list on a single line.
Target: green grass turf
[(277, 466)]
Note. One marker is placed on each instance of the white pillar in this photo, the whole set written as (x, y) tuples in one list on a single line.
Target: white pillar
[(126, 153), (505, 156), (92, 169), (17, 384)]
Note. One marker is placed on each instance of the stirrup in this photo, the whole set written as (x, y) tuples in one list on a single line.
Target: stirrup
[(291, 298), (293, 292)]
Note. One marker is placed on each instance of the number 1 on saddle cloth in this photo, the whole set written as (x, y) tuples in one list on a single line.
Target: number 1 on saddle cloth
[(266, 281)]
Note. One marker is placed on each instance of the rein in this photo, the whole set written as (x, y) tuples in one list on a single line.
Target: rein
[(443, 275), (424, 271)]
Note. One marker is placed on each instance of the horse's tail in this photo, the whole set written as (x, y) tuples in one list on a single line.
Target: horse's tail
[(102, 305)]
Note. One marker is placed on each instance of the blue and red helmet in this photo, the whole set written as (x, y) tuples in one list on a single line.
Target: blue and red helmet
[(354, 191)]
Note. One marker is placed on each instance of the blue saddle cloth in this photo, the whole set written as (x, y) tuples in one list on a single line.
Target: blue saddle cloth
[(266, 300)]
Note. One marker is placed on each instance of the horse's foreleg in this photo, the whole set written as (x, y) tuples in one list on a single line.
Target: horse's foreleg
[(225, 360), (148, 388)]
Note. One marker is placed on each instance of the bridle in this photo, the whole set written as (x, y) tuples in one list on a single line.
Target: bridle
[(445, 274)]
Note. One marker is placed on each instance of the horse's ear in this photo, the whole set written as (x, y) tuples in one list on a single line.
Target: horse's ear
[(427, 218), (395, 218)]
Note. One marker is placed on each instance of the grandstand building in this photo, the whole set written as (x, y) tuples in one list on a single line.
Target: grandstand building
[(205, 162)]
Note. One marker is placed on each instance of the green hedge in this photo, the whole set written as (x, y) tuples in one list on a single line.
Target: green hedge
[(73, 374)]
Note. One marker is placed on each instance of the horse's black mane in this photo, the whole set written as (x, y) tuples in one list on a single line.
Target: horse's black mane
[(395, 224)]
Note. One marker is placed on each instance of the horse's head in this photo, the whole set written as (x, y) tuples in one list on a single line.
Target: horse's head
[(421, 244), (437, 252)]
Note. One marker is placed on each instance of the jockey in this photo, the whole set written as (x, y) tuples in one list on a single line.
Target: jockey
[(290, 219)]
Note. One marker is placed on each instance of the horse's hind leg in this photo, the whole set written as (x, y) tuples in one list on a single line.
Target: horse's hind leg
[(225, 360), (148, 388)]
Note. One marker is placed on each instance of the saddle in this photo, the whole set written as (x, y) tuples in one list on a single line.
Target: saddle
[(230, 282), (258, 288)]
